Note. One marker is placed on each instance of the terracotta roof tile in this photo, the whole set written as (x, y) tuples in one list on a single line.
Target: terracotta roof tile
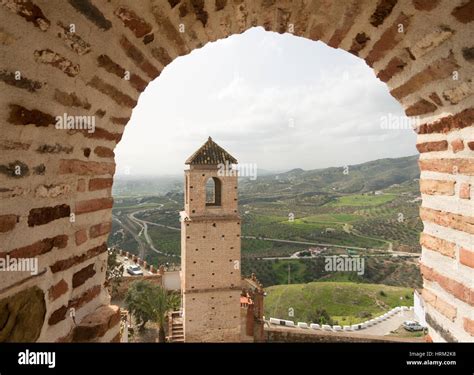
[(210, 153)]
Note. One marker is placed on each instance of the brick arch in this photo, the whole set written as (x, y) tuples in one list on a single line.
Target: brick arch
[(48, 174)]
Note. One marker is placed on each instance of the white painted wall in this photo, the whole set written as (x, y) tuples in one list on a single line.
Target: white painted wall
[(419, 308), (172, 280)]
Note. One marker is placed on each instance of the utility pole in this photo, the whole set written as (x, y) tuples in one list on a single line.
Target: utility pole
[(289, 272)]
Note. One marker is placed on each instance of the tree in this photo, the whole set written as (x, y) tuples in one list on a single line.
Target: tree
[(320, 316), (137, 302), (114, 273), (148, 302)]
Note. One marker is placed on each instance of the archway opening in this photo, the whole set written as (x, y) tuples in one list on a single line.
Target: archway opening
[(50, 173), (328, 164), (213, 192)]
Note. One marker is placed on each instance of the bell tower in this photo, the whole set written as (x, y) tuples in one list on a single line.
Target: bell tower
[(210, 247)]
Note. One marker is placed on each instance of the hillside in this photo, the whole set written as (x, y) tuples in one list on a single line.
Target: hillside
[(361, 178), (345, 302), (371, 210)]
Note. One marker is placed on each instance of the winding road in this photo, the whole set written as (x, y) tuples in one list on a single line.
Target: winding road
[(143, 224)]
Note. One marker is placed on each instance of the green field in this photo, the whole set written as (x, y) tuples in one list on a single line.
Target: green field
[(364, 200), (345, 302), (378, 270), (329, 208)]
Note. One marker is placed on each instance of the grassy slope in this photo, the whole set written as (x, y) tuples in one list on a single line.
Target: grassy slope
[(347, 303)]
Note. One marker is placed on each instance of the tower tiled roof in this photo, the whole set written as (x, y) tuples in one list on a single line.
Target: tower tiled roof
[(210, 153)]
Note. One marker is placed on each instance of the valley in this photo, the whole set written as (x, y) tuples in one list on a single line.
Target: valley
[(293, 220)]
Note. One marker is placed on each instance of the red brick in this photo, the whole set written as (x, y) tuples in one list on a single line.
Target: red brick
[(85, 297), (440, 69), (348, 21), (457, 145), (81, 237), (469, 326), (382, 11), (461, 120), (92, 13), (465, 190), (79, 167), (44, 215), (465, 12), (49, 57), (112, 67), (62, 265), (58, 290), (30, 12), (81, 276), (453, 166), (58, 315), (448, 310), (112, 92), (358, 43), (425, 4), (21, 116), (92, 205), (394, 66), (447, 219), (100, 229), (24, 83), (432, 146), (131, 20), (436, 187), (421, 107), (7, 222), (389, 40), (40, 247), (100, 183), (457, 289), (439, 245), (104, 152), (435, 97), (466, 257), (70, 99), (100, 133), (120, 120), (140, 60)]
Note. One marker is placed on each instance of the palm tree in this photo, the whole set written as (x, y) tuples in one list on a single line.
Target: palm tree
[(137, 302), (159, 300), (146, 302)]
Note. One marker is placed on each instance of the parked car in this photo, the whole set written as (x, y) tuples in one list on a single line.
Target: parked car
[(134, 270), (412, 326)]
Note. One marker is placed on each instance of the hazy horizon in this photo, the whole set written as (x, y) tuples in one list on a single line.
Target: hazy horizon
[(267, 171), (277, 101)]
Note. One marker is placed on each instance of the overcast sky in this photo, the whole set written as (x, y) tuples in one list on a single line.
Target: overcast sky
[(277, 101)]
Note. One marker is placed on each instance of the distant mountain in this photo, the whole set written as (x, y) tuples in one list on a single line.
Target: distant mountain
[(360, 178), (146, 185)]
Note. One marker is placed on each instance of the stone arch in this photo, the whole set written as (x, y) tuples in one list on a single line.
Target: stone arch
[(71, 57)]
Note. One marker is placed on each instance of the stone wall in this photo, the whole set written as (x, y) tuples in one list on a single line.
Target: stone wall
[(282, 335), (95, 57), (126, 281)]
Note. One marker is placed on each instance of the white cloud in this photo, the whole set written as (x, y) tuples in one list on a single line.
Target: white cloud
[(277, 100)]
